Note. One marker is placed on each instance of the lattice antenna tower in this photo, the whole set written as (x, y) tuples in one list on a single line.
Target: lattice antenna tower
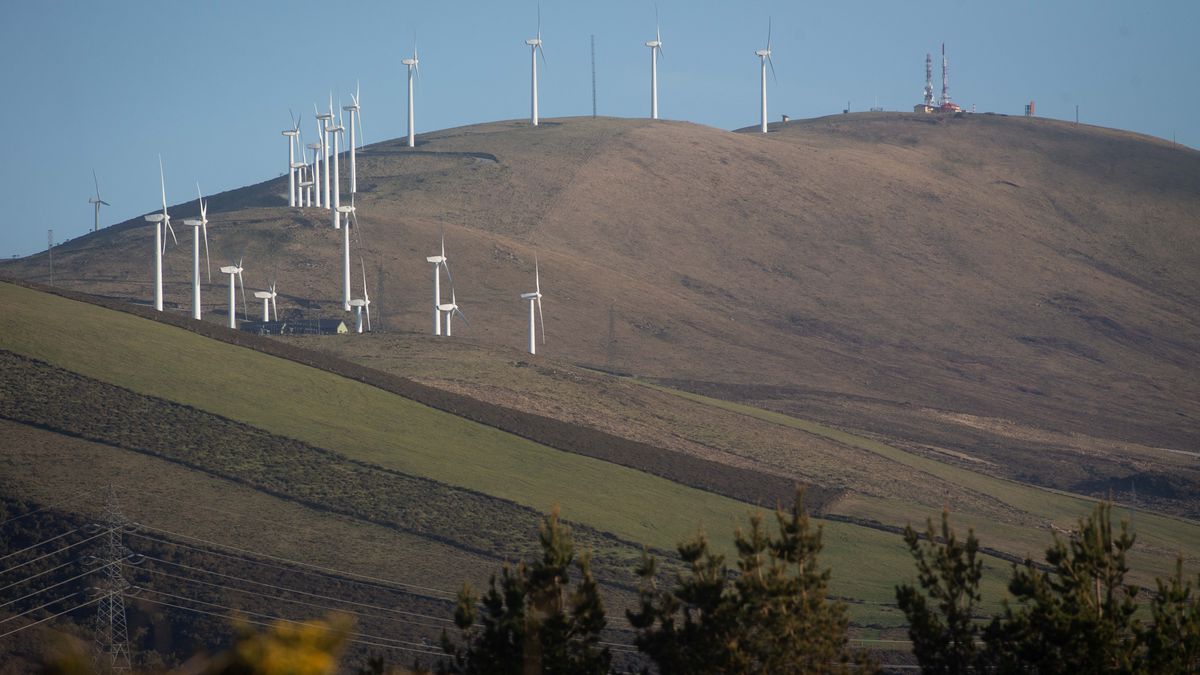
[(945, 77), (928, 79), (112, 633)]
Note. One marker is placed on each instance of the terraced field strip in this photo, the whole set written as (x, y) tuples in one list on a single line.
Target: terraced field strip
[(365, 423), (1164, 536)]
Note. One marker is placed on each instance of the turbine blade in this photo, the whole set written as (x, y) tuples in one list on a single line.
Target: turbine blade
[(245, 310), (368, 306), (539, 25), (541, 319), (449, 278), (364, 275), (462, 316), (542, 52), (293, 116), (657, 31), (162, 182), (537, 275), (207, 261), (173, 237), (274, 307), (768, 33), (97, 181), (772, 64)]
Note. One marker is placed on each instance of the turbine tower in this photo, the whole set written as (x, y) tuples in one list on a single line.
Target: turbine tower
[(439, 261), (291, 136), (315, 184), (535, 297), (414, 70), (655, 46), (535, 46), (198, 226), (335, 132), (97, 201), (362, 303), (354, 113), (323, 132), (235, 271), (160, 244), (764, 57), (344, 213)]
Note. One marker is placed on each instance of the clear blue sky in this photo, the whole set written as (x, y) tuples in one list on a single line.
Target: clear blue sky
[(111, 85)]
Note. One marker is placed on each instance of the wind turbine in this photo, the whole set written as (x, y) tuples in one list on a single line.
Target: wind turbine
[(345, 212), (764, 57), (439, 261), (235, 271), (268, 298), (535, 297), (323, 131), (335, 132), (535, 46), (363, 303), (414, 69), (198, 226), (97, 201), (314, 186), (655, 46), (291, 136), (354, 112), (451, 308), (160, 245)]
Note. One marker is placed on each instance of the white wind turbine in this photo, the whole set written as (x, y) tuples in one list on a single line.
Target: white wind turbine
[(291, 136), (414, 69), (314, 181), (335, 132), (268, 298), (323, 132), (451, 308), (97, 201), (535, 46), (160, 245), (439, 261), (345, 213), (535, 297), (764, 57), (199, 226), (655, 46), (362, 303), (235, 271), (355, 123)]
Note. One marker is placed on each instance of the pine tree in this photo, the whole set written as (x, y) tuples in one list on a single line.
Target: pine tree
[(941, 615), (772, 616), (1172, 641), (1077, 617), (532, 621)]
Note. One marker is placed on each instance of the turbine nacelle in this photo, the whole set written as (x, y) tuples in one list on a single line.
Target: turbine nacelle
[(763, 53), (436, 259), (231, 269), (530, 296), (534, 42), (409, 62), (155, 218)]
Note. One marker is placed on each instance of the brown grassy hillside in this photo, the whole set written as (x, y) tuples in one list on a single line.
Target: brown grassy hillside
[(1020, 291)]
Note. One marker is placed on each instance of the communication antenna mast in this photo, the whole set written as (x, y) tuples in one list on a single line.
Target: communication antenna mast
[(945, 77), (593, 75), (112, 633), (928, 79), (50, 253)]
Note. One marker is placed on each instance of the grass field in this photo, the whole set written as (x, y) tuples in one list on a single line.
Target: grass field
[(370, 425)]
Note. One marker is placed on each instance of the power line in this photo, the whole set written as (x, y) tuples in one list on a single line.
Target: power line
[(47, 555), (31, 578), (376, 580), (49, 506), (260, 623), (53, 616), (42, 543), (30, 595), (298, 602), (30, 611), (271, 616)]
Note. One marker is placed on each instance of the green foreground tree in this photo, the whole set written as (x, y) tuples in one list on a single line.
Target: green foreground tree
[(772, 615), (1075, 614), (532, 620)]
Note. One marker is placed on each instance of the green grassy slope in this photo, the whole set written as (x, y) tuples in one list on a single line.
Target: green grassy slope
[(368, 424)]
